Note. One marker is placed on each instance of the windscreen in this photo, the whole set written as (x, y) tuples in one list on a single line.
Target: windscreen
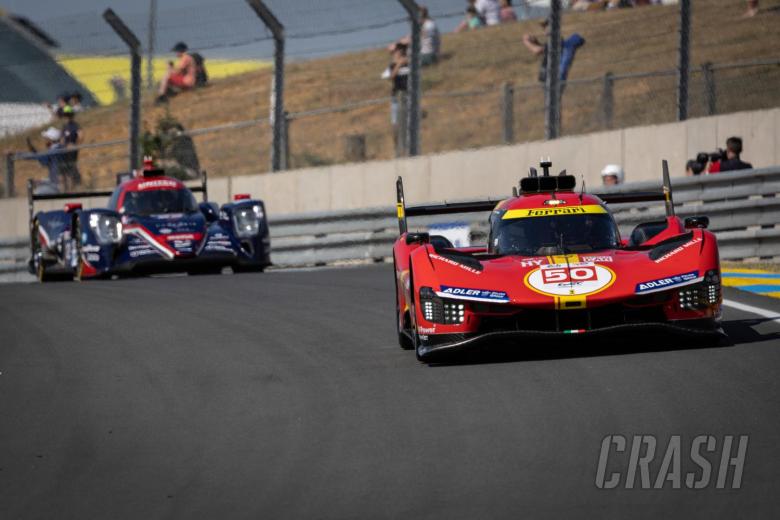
[(552, 235), (156, 202)]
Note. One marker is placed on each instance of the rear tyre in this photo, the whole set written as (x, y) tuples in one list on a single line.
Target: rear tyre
[(78, 273)]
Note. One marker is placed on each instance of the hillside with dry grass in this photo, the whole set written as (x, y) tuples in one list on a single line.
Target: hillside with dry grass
[(621, 42)]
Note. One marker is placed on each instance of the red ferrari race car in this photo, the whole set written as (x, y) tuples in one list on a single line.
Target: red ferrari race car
[(555, 265)]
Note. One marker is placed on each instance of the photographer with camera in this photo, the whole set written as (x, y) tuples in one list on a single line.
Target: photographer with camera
[(732, 160)]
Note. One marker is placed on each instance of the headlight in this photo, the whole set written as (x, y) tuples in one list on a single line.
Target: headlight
[(107, 228), (247, 222), (701, 295), (441, 310)]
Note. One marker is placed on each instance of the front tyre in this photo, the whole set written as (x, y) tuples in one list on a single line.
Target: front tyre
[(37, 255), (78, 273), (404, 340), (416, 342)]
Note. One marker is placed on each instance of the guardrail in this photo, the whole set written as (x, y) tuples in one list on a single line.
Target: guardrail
[(744, 211)]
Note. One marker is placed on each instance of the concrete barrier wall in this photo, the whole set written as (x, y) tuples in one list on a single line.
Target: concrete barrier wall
[(487, 171)]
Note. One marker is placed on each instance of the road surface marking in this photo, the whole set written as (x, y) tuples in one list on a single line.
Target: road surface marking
[(753, 310)]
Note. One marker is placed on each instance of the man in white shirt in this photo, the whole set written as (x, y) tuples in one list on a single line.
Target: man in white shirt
[(430, 41), (489, 10)]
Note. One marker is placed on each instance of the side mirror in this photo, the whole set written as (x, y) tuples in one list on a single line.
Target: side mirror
[(210, 211), (417, 238), (645, 231), (700, 222)]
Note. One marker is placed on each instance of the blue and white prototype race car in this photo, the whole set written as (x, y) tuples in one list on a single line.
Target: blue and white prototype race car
[(152, 224)]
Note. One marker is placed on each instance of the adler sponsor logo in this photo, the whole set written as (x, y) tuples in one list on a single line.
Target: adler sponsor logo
[(473, 294), (669, 281)]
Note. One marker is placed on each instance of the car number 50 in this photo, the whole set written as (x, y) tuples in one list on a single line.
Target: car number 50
[(564, 274)]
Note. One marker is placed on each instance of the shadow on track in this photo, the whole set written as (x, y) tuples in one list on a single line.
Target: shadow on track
[(743, 331)]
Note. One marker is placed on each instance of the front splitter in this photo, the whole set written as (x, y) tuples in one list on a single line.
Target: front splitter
[(430, 350)]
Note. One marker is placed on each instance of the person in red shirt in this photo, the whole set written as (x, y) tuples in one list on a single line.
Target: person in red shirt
[(180, 76)]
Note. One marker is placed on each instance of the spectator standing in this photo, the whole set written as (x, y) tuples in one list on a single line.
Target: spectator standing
[(733, 160), (72, 136), (489, 10), (180, 76), (612, 175), (569, 47), (507, 13), (56, 108), (431, 39), (75, 102), (398, 74), (51, 158)]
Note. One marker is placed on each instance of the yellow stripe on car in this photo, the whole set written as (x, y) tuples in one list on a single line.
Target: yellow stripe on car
[(553, 212)]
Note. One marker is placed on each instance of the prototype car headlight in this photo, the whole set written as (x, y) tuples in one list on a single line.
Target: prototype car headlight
[(701, 295), (247, 221), (107, 228), (441, 310)]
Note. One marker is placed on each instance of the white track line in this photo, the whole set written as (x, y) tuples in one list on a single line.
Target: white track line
[(753, 310)]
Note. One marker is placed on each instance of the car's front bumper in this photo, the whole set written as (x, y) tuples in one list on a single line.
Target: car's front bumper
[(438, 344)]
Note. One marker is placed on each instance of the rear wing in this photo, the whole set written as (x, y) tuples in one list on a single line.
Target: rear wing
[(32, 196), (665, 195), (435, 209)]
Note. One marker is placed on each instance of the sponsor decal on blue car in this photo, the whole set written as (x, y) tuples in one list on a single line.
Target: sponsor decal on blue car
[(661, 284), (463, 293)]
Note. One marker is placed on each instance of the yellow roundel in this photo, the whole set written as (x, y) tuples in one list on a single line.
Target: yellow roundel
[(553, 212)]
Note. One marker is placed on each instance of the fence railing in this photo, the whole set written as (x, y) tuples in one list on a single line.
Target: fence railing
[(507, 114), (743, 207)]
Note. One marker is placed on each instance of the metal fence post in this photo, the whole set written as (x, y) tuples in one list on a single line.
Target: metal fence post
[(684, 59), (286, 120), (608, 100), (9, 175), (710, 94), (150, 44), (552, 91), (508, 112), (134, 45), (415, 86), (277, 30), (402, 120)]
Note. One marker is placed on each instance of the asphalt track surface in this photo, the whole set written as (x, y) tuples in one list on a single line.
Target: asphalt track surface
[(285, 395)]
